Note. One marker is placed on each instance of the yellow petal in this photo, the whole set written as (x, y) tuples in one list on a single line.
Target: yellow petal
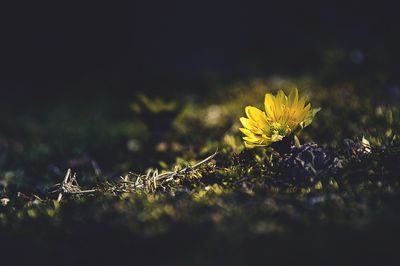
[(280, 104), (259, 141), (256, 114), (247, 132), (276, 137), (250, 125), (269, 104), (252, 145), (281, 97), (302, 102), (255, 140), (293, 98), (310, 116), (249, 145)]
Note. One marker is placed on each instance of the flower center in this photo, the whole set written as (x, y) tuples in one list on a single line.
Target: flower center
[(278, 129)]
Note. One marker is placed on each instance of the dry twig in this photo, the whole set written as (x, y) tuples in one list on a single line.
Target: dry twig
[(130, 182), (69, 186), (153, 179)]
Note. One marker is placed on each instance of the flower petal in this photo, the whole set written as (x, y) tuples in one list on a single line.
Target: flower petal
[(310, 116), (247, 132), (250, 125), (281, 97), (293, 98), (256, 140), (252, 145), (256, 114)]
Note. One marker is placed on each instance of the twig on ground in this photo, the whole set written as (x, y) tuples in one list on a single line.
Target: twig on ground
[(129, 183), (69, 186), (153, 179)]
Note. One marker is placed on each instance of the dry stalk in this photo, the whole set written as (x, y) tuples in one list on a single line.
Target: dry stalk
[(148, 182), (69, 186)]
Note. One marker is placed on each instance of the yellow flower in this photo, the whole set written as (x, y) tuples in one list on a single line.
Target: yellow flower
[(283, 116)]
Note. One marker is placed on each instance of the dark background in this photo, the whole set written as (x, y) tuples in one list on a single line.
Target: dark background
[(58, 51)]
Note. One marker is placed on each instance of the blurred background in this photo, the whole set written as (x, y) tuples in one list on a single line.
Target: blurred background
[(70, 75), (55, 51)]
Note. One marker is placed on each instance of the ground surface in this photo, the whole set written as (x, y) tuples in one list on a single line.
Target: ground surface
[(332, 201)]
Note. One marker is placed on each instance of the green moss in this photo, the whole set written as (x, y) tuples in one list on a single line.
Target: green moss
[(241, 205)]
